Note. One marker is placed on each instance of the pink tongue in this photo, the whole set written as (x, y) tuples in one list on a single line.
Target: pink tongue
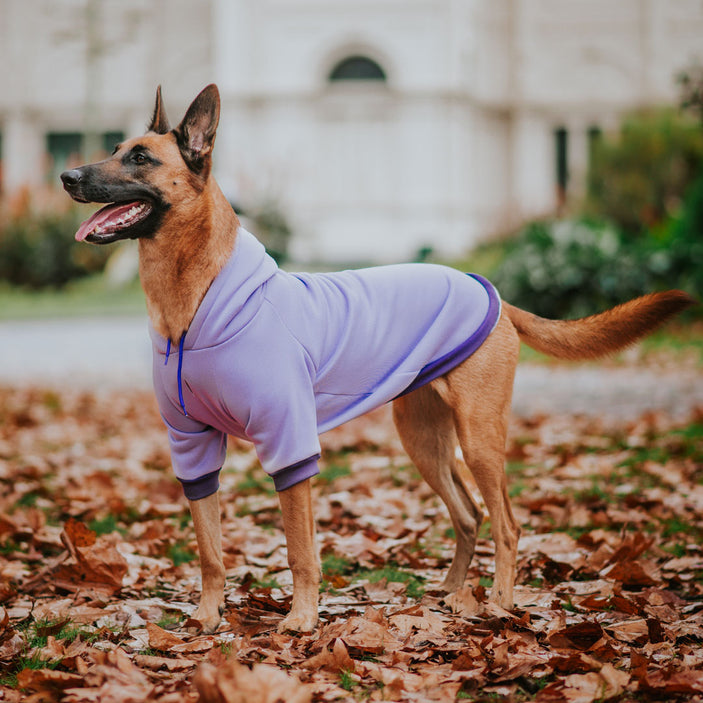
[(105, 216)]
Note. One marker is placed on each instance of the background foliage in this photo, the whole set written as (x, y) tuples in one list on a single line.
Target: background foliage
[(38, 250), (641, 228)]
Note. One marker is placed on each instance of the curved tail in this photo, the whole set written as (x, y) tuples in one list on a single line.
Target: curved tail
[(602, 334)]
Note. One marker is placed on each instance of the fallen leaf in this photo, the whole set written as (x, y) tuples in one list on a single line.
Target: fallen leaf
[(161, 639), (236, 683)]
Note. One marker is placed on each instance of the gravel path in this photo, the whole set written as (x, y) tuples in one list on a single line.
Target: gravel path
[(105, 353)]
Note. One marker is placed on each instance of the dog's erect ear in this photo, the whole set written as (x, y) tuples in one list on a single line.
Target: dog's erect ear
[(159, 121), (196, 133)]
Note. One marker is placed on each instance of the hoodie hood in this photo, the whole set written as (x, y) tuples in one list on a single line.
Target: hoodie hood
[(231, 301)]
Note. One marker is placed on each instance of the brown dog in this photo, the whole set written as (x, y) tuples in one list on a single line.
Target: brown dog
[(159, 190)]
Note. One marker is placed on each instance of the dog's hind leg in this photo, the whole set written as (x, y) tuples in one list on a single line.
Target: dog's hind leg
[(206, 520), (426, 429), (479, 392)]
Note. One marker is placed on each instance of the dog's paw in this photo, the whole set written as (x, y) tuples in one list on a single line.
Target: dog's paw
[(298, 622), (208, 619)]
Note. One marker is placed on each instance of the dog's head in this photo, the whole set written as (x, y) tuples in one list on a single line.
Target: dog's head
[(148, 178)]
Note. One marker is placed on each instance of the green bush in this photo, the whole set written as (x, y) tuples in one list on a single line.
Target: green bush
[(639, 176), (38, 250), (677, 248), (574, 268)]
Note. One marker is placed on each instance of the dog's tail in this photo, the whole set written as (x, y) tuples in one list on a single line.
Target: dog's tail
[(602, 334)]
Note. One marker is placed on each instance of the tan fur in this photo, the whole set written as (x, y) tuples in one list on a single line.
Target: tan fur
[(469, 404), (598, 335), (187, 252)]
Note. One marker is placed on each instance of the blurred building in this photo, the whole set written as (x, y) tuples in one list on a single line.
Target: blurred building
[(378, 127)]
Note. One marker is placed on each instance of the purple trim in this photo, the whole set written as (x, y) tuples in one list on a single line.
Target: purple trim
[(180, 373), (201, 487), (446, 363), (290, 475)]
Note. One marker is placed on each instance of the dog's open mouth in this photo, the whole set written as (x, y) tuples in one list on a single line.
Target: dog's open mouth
[(113, 219)]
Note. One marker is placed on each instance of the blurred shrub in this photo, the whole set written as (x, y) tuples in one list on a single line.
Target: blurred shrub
[(638, 177), (574, 268), (676, 249), (38, 250), (269, 223)]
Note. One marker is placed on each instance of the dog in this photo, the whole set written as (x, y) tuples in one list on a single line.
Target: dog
[(241, 347)]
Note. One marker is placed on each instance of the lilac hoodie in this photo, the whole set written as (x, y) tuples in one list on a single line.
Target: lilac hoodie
[(279, 358)]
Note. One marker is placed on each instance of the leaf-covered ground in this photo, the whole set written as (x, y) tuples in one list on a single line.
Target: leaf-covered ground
[(98, 570)]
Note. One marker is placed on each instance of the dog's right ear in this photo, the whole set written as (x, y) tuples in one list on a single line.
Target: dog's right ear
[(159, 121)]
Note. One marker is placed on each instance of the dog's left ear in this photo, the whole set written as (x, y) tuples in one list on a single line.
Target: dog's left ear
[(196, 133)]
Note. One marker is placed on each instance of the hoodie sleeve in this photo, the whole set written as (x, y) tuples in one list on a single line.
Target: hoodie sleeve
[(197, 450), (271, 396), (197, 458)]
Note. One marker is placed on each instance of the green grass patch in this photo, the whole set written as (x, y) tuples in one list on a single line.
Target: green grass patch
[(31, 661), (266, 582), (393, 574), (107, 525), (333, 471), (346, 680), (335, 565), (180, 553), (170, 620), (80, 298), (36, 636), (254, 482)]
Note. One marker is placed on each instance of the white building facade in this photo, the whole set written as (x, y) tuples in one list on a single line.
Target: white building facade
[(377, 127)]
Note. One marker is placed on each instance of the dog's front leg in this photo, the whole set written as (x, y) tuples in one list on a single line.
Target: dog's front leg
[(303, 558), (206, 519)]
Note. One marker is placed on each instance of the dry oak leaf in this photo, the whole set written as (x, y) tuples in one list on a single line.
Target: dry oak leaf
[(47, 679), (148, 661), (368, 636), (95, 563), (463, 602), (586, 688), (77, 534), (335, 660), (581, 636), (666, 681), (236, 683), (161, 639)]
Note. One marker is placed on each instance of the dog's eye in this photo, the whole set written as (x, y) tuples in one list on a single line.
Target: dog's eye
[(139, 158)]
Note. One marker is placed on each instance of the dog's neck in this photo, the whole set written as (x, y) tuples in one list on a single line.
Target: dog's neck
[(177, 266)]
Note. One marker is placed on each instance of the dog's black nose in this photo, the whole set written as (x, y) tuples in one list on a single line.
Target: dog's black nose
[(71, 178)]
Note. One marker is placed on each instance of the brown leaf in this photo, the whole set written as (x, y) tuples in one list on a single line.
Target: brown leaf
[(235, 683), (47, 679), (368, 637), (53, 628), (100, 567), (78, 533), (337, 659), (688, 681), (159, 663), (632, 631), (463, 602), (633, 573), (581, 636), (161, 639), (633, 545)]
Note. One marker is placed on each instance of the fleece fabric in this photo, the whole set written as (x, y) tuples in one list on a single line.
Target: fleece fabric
[(279, 358)]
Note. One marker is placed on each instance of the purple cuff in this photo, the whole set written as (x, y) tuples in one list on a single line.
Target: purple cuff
[(290, 475), (201, 487)]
